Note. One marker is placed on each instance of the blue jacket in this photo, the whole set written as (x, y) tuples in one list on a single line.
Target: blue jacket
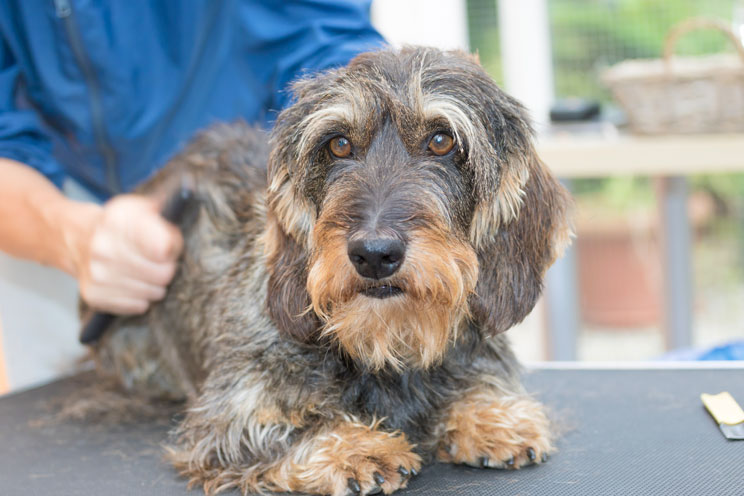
[(106, 91)]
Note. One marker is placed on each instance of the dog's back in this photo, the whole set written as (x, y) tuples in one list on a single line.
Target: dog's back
[(163, 353)]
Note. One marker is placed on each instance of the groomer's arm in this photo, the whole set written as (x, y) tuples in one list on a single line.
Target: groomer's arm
[(122, 253)]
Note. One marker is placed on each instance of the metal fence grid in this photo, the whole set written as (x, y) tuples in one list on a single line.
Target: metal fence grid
[(590, 35)]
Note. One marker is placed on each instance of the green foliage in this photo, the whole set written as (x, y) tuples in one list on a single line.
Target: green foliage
[(483, 26), (617, 193), (590, 35), (729, 186)]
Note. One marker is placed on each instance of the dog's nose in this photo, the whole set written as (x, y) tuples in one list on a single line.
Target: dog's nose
[(376, 258)]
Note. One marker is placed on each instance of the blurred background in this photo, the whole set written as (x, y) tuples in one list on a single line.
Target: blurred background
[(657, 267)]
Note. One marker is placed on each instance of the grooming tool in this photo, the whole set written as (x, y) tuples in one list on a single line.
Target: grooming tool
[(727, 413)]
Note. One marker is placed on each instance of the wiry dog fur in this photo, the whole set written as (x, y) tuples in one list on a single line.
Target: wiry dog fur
[(295, 378)]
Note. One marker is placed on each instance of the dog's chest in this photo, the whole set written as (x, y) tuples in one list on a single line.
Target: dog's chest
[(411, 401)]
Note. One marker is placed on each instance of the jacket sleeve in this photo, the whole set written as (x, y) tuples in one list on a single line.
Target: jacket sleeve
[(22, 137), (323, 34)]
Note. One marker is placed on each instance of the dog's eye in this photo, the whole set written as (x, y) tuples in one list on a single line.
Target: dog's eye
[(340, 147), (441, 144)]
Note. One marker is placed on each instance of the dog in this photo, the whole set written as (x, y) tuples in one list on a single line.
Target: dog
[(336, 319)]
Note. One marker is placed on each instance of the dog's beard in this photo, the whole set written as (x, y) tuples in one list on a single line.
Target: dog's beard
[(413, 326), (396, 331)]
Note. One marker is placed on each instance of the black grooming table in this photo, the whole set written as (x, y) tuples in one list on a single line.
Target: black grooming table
[(624, 432)]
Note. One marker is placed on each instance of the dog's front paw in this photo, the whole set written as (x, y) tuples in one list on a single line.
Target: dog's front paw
[(483, 430), (351, 459)]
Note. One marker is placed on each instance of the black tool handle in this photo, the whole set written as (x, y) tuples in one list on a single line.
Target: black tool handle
[(173, 211)]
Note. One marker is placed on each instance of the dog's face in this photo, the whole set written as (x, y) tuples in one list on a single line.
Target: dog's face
[(406, 200)]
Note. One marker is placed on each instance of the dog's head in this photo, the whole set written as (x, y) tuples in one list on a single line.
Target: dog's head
[(406, 201)]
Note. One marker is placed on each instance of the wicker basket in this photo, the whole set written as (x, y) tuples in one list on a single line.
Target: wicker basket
[(682, 94)]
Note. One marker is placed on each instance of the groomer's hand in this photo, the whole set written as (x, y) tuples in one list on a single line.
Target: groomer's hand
[(128, 256)]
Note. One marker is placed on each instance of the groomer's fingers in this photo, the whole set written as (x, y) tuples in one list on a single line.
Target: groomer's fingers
[(118, 294), (113, 285), (119, 258), (130, 256), (156, 239), (119, 305), (158, 274), (137, 220), (137, 289)]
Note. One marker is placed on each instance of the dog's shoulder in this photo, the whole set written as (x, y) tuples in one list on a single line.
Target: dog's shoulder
[(228, 155)]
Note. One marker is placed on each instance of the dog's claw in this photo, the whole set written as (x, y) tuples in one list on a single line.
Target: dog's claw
[(375, 490), (402, 471), (544, 457), (531, 454), (510, 461), (414, 472), (379, 479), (354, 485), (484, 461)]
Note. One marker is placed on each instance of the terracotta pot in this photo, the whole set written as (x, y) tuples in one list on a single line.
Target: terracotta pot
[(619, 275)]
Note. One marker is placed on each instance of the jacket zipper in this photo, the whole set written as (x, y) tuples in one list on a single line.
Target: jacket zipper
[(64, 11)]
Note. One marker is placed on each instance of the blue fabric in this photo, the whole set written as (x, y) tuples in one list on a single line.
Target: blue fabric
[(88, 87), (733, 350), (729, 351)]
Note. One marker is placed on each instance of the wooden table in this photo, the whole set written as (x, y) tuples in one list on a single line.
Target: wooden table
[(605, 154), (600, 151)]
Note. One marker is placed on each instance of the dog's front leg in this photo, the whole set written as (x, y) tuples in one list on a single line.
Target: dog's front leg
[(233, 434), (490, 428), (243, 438), (345, 457)]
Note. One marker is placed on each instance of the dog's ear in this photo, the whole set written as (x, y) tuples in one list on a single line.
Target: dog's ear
[(522, 217), (514, 258), (291, 215), (287, 300)]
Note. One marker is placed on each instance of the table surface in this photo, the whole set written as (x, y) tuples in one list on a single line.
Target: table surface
[(623, 432)]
